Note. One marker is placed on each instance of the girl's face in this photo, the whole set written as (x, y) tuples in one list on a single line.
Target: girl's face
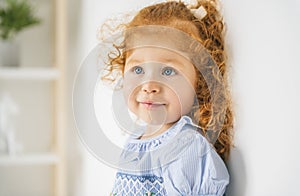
[(158, 85)]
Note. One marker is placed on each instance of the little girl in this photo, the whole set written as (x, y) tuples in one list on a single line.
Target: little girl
[(172, 60)]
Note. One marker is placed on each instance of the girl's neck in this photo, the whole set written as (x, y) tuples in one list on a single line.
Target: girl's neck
[(153, 131)]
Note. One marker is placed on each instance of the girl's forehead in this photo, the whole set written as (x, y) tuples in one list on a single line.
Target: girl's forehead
[(161, 43)]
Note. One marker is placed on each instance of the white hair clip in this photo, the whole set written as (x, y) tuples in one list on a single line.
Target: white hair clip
[(199, 13)]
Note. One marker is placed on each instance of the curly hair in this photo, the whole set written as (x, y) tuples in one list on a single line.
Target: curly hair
[(209, 31)]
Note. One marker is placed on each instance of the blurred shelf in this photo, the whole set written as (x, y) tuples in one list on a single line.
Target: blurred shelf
[(53, 32), (29, 159), (29, 73)]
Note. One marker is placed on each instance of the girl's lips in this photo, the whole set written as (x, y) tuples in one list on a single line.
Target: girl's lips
[(150, 105)]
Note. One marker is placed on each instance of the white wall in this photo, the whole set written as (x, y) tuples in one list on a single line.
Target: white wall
[(264, 45)]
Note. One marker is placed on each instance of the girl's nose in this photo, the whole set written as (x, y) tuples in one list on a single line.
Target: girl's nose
[(150, 87)]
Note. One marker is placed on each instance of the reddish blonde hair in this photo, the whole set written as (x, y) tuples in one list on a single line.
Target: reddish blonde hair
[(209, 31)]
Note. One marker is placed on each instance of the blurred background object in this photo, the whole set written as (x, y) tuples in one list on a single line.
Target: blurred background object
[(32, 87), (8, 109), (15, 16)]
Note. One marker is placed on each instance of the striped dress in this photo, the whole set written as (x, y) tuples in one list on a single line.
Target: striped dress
[(178, 162)]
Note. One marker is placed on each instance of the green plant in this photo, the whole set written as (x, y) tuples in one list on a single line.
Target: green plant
[(15, 15)]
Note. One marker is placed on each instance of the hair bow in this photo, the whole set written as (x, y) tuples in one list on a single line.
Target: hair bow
[(200, 12)]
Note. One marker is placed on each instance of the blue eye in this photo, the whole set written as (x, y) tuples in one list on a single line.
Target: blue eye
[(168, 71), (138, 70)]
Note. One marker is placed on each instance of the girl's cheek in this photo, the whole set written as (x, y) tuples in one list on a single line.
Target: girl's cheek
[(186, 95)]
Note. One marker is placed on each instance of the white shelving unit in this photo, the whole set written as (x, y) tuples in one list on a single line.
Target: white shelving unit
[(29, 159), (29, 73), (53, 78)]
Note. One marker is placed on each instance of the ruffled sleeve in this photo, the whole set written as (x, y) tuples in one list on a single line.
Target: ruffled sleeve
[(199, 171), (211, 175), (214, 176)]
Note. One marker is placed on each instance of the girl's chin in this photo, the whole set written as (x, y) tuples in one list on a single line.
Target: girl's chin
[(145, 117)]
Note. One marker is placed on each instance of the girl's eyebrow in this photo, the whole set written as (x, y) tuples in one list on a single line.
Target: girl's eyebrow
[(171, 62), (139, 61)]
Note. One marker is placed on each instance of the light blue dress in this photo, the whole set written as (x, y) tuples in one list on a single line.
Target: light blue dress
[(178, 162)]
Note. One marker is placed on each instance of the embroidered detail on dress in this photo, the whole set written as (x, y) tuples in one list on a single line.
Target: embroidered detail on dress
[(138, 185)]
